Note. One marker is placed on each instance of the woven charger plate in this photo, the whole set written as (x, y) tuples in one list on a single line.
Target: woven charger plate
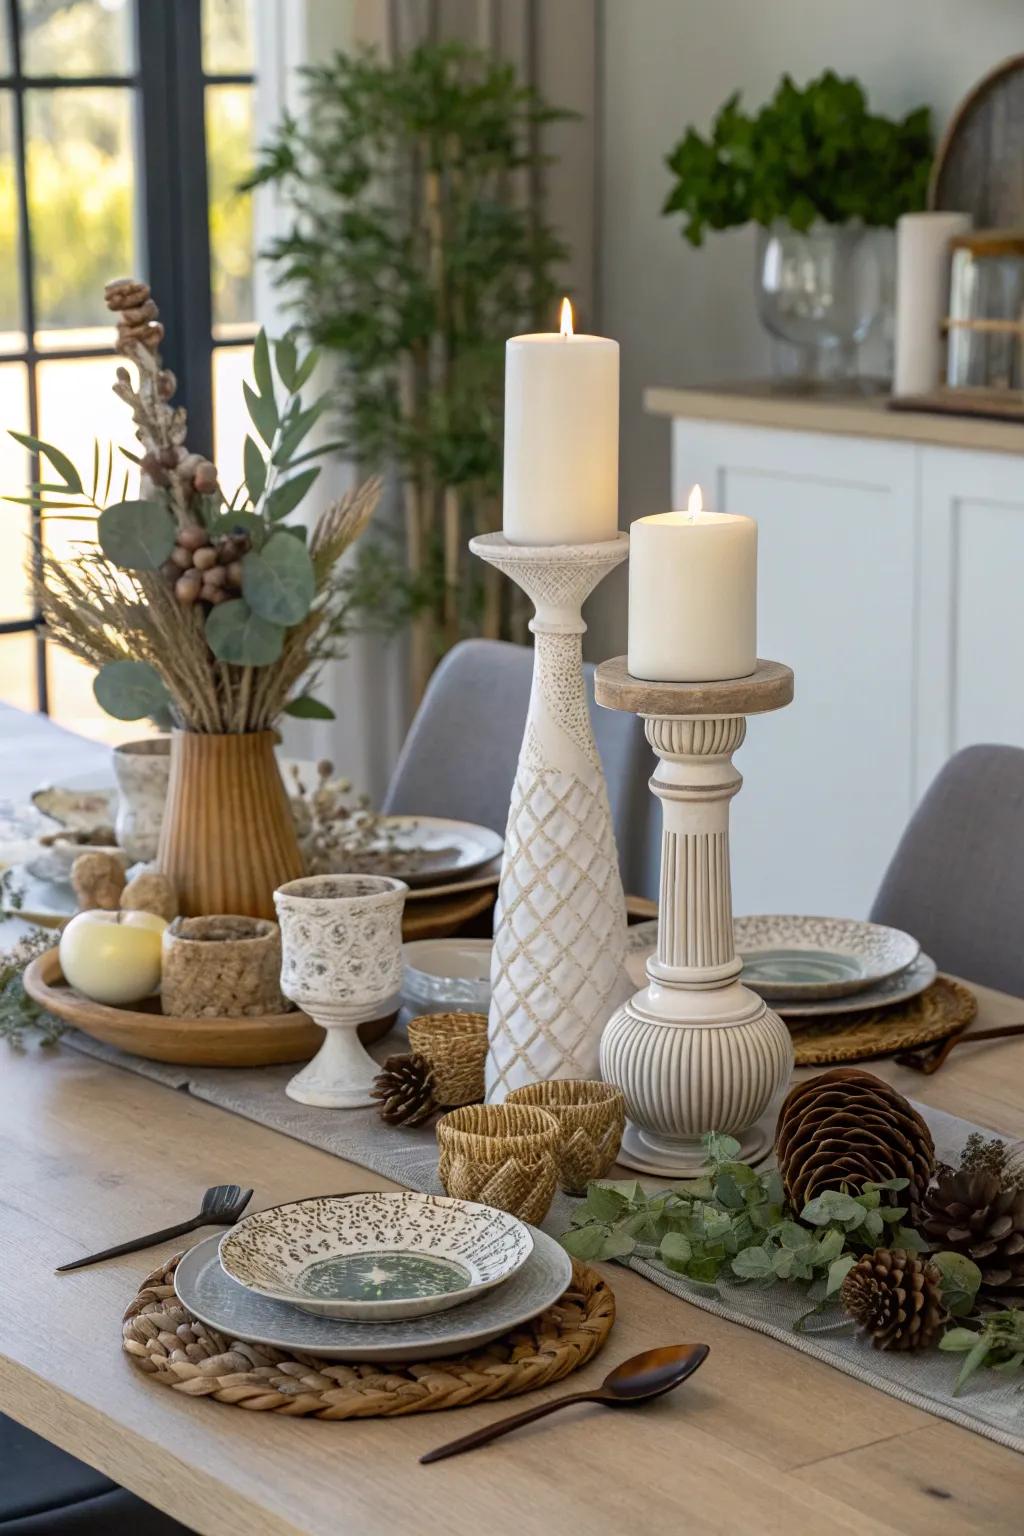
[(165, 1340), (942, 1009)]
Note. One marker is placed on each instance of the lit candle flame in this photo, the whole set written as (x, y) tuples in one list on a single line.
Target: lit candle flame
[(695, 503), (565, 327)]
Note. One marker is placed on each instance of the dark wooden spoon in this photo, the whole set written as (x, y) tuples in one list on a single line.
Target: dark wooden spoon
[(634, 1381), (932, 1058)]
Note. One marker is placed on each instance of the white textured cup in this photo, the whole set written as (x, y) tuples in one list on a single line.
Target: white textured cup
[(341, 941), (142, 770)]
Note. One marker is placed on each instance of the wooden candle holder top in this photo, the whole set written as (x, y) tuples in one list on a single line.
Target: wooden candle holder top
[(769, 687)]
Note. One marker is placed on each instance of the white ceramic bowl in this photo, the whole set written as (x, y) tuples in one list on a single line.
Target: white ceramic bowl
[(443, 974), (375, 1257)]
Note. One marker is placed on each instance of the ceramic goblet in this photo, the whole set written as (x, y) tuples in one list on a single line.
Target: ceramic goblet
[(341, 941)]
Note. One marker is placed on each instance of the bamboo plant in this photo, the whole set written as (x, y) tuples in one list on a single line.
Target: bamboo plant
[(416, 247)]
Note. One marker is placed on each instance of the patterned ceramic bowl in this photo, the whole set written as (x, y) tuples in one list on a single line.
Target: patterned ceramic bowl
[(375, 1256)]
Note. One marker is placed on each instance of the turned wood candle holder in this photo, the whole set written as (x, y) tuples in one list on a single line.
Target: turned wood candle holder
[(694, 1051)]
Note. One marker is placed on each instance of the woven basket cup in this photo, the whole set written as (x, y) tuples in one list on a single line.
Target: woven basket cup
[(591, 1118), (221, 967), (500, 1154), (455, 1044)]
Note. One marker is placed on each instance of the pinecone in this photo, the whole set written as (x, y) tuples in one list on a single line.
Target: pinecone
[(849, 1127), (973, 1212), (404, 1089), (896, 1297)]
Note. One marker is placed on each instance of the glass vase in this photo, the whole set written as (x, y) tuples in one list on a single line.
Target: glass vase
[(819, 292)]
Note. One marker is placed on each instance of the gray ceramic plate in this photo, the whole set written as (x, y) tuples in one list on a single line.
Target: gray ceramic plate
[(642, 938), (442, 850), (803, 958), (895, 989), (379, 1256), (221, 1303)]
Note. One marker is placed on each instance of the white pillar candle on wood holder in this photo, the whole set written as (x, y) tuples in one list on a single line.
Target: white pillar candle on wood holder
[(922, 297), (561, 437), (692, 596)]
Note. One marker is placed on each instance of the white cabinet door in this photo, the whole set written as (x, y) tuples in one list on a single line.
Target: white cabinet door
[(971, 634), (829, 782)]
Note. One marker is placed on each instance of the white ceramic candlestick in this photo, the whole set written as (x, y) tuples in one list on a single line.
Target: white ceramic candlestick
[(560, 926), (694, 1051)]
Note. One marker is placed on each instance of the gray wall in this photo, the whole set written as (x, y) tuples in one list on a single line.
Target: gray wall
[(686, 316)]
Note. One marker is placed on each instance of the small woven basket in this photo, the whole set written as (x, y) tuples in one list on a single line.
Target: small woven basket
[(221, 967), (500, 1154), (591, 1119), (455, 1044)]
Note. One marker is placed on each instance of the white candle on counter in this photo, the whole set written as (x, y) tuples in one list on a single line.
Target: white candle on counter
[(561, 437), (692, 596)]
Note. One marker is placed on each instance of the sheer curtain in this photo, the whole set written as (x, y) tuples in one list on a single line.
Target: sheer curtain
[(555, 46)]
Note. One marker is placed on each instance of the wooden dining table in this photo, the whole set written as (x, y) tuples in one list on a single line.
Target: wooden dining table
[(762, 1439)]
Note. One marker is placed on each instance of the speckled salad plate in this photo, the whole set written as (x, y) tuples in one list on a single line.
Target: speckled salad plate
[(375, 1257), (798, 959)]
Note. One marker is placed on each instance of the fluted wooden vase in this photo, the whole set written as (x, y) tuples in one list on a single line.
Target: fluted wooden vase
[(228, 838)]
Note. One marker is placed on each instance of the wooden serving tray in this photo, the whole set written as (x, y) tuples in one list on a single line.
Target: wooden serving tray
[(263, 1041)]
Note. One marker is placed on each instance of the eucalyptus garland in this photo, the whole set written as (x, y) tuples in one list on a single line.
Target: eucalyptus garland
[(734, 1226)]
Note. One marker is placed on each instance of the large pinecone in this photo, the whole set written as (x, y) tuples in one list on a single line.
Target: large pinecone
[(896, 1297), (849, 1127), (973, 1213), (404, 1090)]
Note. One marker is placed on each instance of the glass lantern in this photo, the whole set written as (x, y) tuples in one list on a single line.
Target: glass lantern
[(985, 328)]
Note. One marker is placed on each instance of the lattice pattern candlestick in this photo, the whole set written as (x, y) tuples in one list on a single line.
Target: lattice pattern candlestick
[(694, 1051), (560, 926)]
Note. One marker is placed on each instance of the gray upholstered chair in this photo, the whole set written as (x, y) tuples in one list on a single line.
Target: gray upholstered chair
[(956, 880), (45, 1492), (459, 758)]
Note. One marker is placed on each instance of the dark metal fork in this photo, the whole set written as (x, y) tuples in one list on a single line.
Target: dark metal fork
[(222, 1206)]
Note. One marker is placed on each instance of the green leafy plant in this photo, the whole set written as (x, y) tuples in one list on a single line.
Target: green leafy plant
[(416, 248), (998, 1344), (808, 154), (18, 1013), (733, 1224), (217, 610)]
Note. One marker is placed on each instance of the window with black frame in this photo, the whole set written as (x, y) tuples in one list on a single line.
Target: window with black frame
[(125, 129)]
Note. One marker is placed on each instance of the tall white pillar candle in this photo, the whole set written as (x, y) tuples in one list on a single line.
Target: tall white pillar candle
[(922, 297), (561, 437), (692, 596)]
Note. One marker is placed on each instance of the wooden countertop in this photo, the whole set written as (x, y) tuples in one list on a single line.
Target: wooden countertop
[(767, 403), (763, 1439)]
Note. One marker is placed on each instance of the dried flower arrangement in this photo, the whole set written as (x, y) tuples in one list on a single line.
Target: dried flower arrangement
[(218, 611), (339, 834)]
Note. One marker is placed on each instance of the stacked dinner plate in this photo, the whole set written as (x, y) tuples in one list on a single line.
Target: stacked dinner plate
[(439, 857), (374, 1277), (823, 966)]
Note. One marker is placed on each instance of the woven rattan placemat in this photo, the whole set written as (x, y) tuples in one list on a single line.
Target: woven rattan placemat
[(166, 1341), (940, 1010)]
